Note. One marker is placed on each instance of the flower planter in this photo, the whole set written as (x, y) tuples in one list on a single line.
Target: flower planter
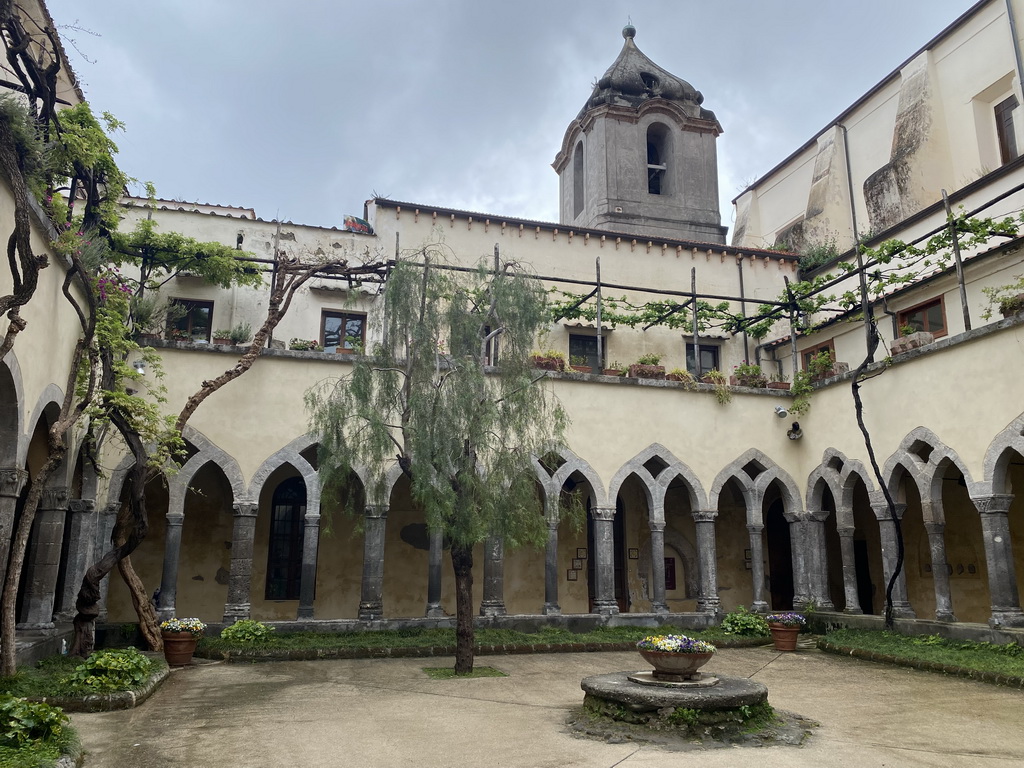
[(838, 369), (222, 341), (675, 667), (778, 385), (612, 372), (1011, 306), (784, 637), (638, 371), (583, 368), (755, 382), (179, 647), (911, 341), (547, 363)]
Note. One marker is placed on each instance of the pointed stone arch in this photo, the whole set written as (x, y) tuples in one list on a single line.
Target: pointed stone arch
[(657, 484), (754, 472), (999, 455), (290, 454), (13, 440)]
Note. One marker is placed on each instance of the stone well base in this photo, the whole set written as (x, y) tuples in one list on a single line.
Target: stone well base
[(729, 693)]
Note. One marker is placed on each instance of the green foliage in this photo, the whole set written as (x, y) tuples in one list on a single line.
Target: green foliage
[(247, 632), (240, 333), (111, 670), (681, 716), (814, 256), (651, 358), (577, 360), (801, 390), (722, 393), (447, 673), (750, 376), (1005, 297), (24, 722), (745, 623), (305, 345), (465, 436), (28, 147)]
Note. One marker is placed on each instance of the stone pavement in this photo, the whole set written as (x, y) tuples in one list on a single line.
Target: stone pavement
[(386, 712)]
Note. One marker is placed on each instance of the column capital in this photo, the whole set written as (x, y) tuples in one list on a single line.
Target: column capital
[(933, 527), (996, 504), (82, 505), (175, 518), (657, 526), (54, 498), (882, 510), (845, 530), (12, 480), (376, 511), (245, 509), (755, 528), (603, 513), (111, 509), (816, 515), (704, 515)]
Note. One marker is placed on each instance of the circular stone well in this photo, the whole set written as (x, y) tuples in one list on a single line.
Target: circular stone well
[(729, 693)]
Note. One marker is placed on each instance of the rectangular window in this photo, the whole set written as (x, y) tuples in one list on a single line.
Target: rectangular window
[(670, 573), (585, 347), (1005, 129), (930, 316), (196, 323), (828, 346), (342, 332), (708, 358)]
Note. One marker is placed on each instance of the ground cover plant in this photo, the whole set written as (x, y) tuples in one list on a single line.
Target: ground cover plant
[(428, 638), (32, 734), (103, 672), (979, 657), (448, 673)]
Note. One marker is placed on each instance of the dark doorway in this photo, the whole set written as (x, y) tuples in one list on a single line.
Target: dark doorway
[(865, 589), (780, 557)]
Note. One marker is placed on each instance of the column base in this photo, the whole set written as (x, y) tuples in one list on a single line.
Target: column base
[(551, 609), (854, 611), (946, 616), (492, 608), (304, 612), (902, 610), (371, 611), (35, 626), (236, 612), (826, 605), (710, 605), (1007, 618), (435, 611), (659, 608), (606, 607), (759, 606), (165, 613)]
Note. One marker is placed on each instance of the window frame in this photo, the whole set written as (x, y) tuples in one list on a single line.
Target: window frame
[(1006, 130), (806, 354), (344, 316), (591, 358), (187, 323), (690, 359), (902, 316), (284, 550)]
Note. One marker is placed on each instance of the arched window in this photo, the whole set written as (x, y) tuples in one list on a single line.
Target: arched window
[(577, 181), (657, 159), (284, 550)]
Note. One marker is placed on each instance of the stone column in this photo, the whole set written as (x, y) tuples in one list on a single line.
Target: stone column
[(371, 596), (757, 568), (849, 570), (901, 607), (940, 573), (658, 604), (1002, 578), (172, 553), (707, 562), (604, 560), (817, 561), (551, 607), (80, 555), (44, 559), (104, 530), (801, 559), (493, 603), (310, 546), (239, 599), (434, 609), (12, 481)]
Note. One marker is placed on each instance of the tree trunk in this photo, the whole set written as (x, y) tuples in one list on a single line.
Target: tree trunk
[(148, 621), (462, 563)]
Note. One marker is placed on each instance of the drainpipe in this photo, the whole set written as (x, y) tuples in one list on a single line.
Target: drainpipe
[(743, 312), (1016, 46), (865, 305)]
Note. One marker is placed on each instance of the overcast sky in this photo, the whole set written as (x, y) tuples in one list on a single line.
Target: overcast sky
[(303, 110)]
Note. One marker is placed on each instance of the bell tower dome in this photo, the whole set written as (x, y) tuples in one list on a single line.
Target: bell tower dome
[(640, 157)]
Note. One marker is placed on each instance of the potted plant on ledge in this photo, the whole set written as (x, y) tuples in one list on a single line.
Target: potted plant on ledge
[(749, 376), (647, 367), (579, 363), (180, 638), (551, 360), (911, 338), (222, 337), (784, 628)]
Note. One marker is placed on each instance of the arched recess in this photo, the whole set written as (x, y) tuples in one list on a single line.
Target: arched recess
[(1004, 474), (578, 180), (956, 533), (12, 400)]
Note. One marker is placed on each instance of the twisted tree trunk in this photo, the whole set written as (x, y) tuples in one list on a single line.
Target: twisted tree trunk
[(462, 564)]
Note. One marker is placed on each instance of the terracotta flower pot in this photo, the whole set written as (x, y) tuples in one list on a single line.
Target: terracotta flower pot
[(179, 647), (675, 667), (784, 636)]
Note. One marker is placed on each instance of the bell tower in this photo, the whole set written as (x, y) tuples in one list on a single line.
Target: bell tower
[(640, 157)]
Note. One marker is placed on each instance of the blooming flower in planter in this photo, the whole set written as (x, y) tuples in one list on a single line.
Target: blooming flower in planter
[(674, 644), (192, 626), (786, 619)]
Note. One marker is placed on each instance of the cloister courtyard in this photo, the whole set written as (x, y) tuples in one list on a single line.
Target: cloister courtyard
[(387, 712)]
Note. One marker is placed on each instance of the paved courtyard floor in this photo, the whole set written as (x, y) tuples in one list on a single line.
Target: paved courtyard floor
[(386, 712)]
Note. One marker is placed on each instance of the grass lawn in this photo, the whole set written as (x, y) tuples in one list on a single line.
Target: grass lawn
[(979, 657), (42, 679)]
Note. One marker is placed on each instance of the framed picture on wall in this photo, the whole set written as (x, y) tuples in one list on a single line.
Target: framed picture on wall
[(634, 554), (577, 564), (581, 553), (570, 575)]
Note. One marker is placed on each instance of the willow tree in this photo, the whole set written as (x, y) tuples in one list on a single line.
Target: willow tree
[(462, 430)]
